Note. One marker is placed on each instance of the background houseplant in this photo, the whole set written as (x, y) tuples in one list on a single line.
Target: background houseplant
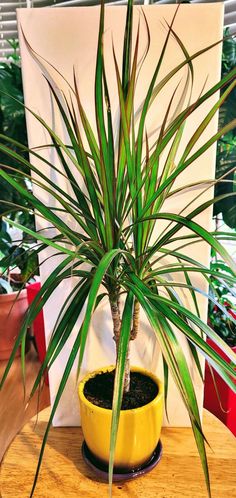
[(125, 195), (18, 258), (218, 398)]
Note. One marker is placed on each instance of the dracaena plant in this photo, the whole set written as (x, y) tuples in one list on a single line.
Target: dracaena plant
[(120, 197)]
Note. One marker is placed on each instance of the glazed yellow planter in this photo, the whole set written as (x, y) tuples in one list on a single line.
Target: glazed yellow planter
[(139, 428)]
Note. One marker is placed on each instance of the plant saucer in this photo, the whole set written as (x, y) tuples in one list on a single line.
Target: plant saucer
[(101, 469)]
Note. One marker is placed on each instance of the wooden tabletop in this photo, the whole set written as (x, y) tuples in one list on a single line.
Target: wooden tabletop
[(13, 412), (65, 475)]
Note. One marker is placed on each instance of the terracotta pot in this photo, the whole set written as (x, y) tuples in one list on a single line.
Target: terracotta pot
[(139, 429), (12, 312)]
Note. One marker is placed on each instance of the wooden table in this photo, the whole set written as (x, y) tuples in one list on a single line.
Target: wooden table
[(65, 475)]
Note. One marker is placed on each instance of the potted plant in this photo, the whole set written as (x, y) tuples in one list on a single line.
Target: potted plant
[(15, 207), (218, 398), (17, 265), (113, 253)]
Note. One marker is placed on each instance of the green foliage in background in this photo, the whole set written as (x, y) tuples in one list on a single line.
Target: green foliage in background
[(22, 256), (13, 125), (226, 147)]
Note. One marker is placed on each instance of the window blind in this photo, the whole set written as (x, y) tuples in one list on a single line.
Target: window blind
[(8, 26)]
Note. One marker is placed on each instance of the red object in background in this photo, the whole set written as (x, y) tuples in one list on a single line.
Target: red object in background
[(227, 397), (38, 324)]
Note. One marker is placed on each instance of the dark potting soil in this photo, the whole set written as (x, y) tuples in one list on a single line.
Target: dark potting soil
[(99, 390)]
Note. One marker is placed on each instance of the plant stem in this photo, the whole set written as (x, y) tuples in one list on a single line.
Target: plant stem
[(136, 320), (133, 335), (115, 313), (127, 371)]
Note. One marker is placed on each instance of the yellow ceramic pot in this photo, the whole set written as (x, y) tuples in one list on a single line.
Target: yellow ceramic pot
[(139, 428)]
